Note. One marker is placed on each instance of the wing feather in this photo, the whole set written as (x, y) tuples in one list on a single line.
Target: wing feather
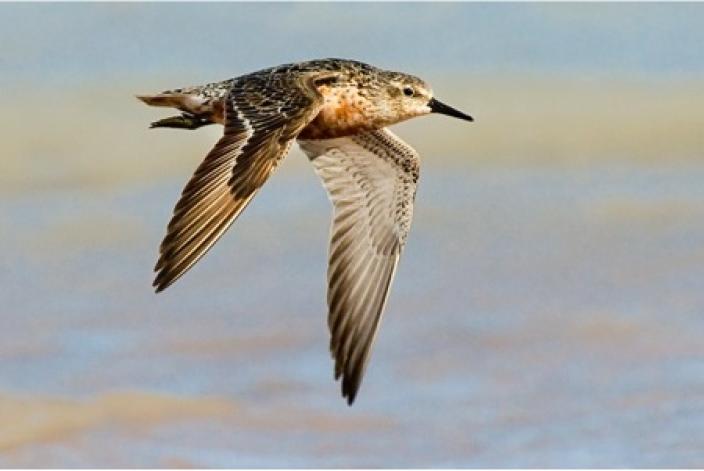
[(371, 181), (254, 142)]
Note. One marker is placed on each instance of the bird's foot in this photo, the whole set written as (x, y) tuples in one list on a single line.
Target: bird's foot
[(185, 121)]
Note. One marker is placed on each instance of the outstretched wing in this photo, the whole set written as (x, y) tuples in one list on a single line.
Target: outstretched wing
[(263, 114), (371, 181)]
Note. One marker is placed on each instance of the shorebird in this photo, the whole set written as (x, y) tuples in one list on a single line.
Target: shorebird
[(338, 111)]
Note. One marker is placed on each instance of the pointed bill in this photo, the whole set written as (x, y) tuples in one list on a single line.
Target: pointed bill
[(441, 108)]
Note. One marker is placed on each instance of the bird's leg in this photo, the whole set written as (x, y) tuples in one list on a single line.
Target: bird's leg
[(185, 121)]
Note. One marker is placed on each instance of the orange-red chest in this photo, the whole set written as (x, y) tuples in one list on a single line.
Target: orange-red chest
[(344, 112)]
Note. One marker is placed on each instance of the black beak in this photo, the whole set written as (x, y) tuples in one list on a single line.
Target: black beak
[(442, 108)]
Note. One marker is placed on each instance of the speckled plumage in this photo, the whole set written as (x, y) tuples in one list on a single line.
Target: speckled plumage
[(337, 110)]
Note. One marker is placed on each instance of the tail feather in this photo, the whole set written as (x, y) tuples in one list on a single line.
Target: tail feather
[(194, 116), (161, 99), (181, 101), (198, 110)]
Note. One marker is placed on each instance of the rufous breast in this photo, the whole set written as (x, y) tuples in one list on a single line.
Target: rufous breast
[(344, 112)]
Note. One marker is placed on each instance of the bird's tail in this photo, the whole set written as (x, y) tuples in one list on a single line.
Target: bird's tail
[(197, 112), (201, 105), (167, 99)]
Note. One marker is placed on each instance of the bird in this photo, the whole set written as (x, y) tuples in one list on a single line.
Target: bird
[(338, 111)]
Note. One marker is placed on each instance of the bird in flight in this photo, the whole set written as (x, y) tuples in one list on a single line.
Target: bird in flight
[(338, 111)]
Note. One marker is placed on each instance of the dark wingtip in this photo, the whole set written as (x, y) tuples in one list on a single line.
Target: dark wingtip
[(349, 394), (161, 282), (350, 387), (158, 286)]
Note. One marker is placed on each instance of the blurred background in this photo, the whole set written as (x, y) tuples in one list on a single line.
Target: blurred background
[(549, 308)]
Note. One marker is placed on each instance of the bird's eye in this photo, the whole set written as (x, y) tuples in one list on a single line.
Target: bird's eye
[(408, 91)]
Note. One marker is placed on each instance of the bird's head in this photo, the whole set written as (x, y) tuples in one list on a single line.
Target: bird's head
[(407, 96)]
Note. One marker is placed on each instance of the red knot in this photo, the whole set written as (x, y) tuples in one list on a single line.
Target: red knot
[(338, 111)]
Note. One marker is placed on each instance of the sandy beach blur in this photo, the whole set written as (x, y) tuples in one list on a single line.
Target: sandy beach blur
[(548, 310)]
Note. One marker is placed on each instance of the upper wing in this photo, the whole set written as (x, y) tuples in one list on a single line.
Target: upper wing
[(263, 116), (371, 180)]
